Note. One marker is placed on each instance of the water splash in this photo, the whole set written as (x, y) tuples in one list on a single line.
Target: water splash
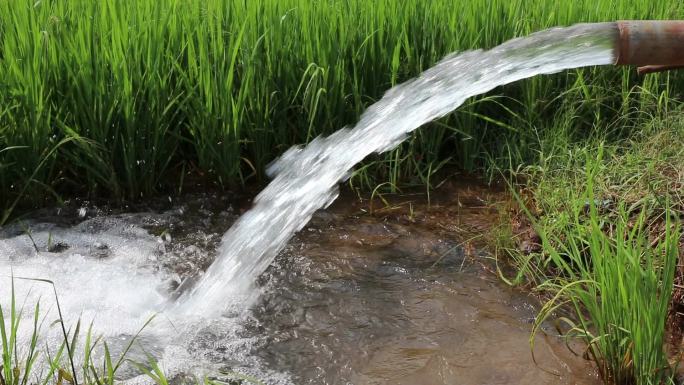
[(306, 178)]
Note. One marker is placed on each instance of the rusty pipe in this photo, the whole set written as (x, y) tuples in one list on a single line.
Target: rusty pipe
[(652, 45), (643, 70)]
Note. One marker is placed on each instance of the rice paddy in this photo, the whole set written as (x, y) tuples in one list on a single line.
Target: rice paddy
[(108, 99), (120, 101)]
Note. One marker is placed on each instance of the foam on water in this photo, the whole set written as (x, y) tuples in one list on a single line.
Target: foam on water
[(306, 178), (109, 271)]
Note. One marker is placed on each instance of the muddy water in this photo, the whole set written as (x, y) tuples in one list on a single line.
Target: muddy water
[(400, 298), (405, 295)]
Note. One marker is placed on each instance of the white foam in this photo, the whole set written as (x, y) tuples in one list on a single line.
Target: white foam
[(108, 273)]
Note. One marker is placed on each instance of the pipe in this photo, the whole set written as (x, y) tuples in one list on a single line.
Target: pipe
[(652, 45), (643, 70)]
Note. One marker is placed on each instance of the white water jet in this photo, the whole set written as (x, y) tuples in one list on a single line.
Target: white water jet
[(306, 178)]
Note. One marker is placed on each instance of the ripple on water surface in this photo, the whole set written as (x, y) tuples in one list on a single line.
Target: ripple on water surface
[(351, 300)]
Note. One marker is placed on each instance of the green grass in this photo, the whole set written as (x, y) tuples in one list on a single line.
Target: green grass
[(125, 100), (609, 217), (642, 172), (618, 287)]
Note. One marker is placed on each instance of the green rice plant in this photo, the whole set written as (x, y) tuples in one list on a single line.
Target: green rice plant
[(27, 362), (617, 286), (20, 363), (608, 216), (159, 89), (11, 365), (607, 271), (21, 191)]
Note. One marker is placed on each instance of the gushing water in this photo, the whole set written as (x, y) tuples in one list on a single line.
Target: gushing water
[(306, 178)]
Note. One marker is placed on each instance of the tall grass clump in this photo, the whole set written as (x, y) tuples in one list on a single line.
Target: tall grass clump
[(617, 287), (608, 220), (159, 93)]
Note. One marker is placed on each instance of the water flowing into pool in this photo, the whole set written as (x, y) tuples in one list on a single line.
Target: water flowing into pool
[(306, 178), (347, 302)]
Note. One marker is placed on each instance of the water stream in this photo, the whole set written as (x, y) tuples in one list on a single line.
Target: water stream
[(350, 300), (306, 178)]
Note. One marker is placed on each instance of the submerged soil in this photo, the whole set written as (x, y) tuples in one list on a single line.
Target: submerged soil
[(393, 291)]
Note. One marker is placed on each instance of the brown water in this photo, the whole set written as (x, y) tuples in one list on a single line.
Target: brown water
[(405, 295), (400, 298)]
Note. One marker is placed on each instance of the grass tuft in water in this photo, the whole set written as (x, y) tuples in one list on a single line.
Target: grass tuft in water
[(31, 362), (617, 287), (80, 358), (608, 219)]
